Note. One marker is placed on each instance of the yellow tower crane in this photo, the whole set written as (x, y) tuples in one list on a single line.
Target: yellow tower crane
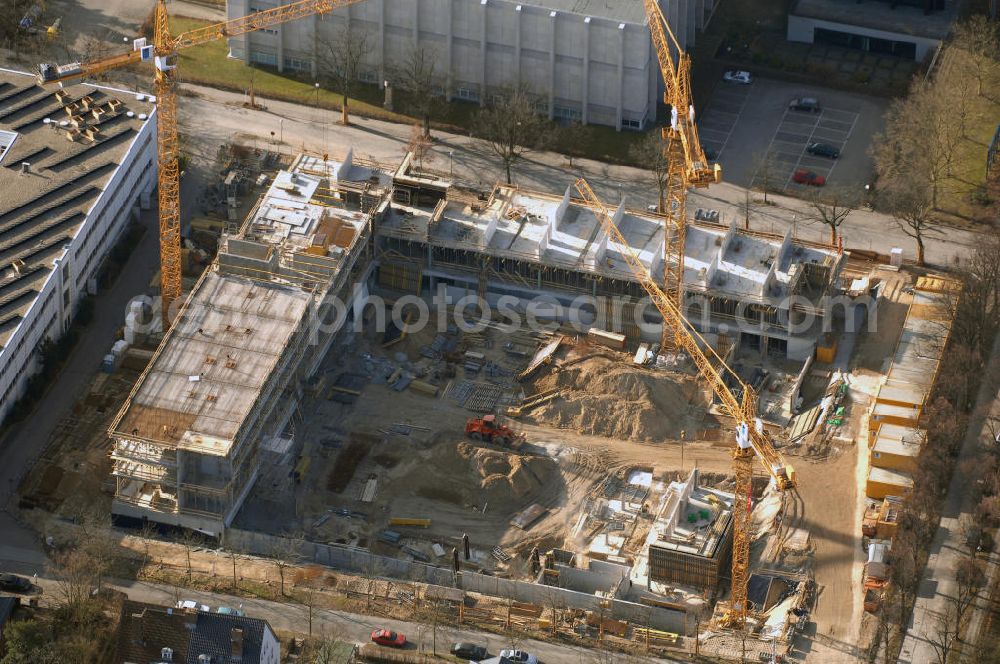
[(686, 163), (751, 437), (163, 53)]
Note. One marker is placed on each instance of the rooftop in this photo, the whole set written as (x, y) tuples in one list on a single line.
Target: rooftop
[(894, 477), (925, 334), (146, 629), (566, 232), (628, 11), (694, 519), (208, 372), (885, 15), (73, 139), (899, 440)]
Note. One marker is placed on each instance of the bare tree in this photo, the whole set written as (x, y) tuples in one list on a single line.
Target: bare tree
[(74, 573), (912, 210), (147, 533), (944, 635), (651, 153), (511, 126), (832, 208), (339, 61), (285, 552), (918, 147), (420, 145), (768, 173), (422, 79), (969, 579), (190, 540), (979, 38), (747, 207)]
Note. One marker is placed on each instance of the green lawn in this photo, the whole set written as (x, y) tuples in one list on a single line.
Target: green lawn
[(969, 172), (210, 65)]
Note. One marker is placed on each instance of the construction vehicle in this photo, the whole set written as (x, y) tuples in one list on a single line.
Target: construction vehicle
[(687, 165), (163, 54), (491, 430), (751, 437)]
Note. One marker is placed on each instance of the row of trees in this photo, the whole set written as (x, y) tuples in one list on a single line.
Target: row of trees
[(947, 418)]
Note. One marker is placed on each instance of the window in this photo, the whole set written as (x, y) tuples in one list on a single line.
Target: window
[(264, 58), (565, 113), (467, 93), (631, 124), (298, 63)]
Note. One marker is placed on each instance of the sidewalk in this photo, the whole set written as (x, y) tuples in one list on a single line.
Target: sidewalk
[(210, 114)]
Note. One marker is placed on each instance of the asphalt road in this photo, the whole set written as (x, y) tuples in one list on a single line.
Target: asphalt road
[(295, 617), (209, 116)]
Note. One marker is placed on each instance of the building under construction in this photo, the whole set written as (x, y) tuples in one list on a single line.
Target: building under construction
[(228, 374), (226, 377), (691, 541), (75, 165), (525, 244)]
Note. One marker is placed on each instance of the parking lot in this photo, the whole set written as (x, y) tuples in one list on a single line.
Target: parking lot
[(751, 128)]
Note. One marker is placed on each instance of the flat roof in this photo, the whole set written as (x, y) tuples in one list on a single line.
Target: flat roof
[(42, 210), (887, 476), (885, 15), (208, 372), (896, 446), (629, 11)]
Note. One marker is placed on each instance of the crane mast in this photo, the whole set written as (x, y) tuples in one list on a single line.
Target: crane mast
[(751, 438), (164, 55), (686, 163)]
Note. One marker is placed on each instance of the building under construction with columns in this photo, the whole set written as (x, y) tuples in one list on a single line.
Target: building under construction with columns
[(764, 292)]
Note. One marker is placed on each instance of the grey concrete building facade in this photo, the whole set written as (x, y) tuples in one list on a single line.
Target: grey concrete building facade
[(591, 61)]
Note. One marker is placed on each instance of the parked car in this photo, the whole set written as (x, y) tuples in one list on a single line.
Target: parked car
[(13, 583), (808, 177), (387, 637), (230, 611), (191, 604), (469, 651), (738, 76), (518, 657), (823, 150), (807, 104)]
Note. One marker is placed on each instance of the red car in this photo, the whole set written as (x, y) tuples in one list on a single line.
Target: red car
[(808, 177), (386, 637)]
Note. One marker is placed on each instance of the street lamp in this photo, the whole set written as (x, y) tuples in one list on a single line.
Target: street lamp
[(317, 96), (451, 164)]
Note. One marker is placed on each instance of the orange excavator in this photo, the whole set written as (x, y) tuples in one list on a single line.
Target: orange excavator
[(491, 430)]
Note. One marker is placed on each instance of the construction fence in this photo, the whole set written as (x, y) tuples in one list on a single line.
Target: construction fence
[(362, 561)]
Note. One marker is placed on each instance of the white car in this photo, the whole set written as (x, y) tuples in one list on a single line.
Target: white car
[(518, 657), (738, 76), (191, 604)]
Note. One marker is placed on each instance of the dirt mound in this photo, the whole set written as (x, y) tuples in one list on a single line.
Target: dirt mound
[(606, 397), (506, 479)]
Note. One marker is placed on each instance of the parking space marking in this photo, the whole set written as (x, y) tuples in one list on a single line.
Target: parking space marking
[(796, 131), (717, 124)]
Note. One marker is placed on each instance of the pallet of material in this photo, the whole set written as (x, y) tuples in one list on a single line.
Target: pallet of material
[(528, 516), (424, 388), (606, 338), (542, 356), (654, 635), (609, 625)]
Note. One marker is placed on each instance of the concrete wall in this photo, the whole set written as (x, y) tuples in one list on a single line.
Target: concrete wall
[(52, 311), (589, 69), (801, 29), (355, 559)]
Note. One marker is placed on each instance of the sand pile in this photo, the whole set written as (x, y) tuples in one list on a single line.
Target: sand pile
[(505, 479), (607, 397)]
